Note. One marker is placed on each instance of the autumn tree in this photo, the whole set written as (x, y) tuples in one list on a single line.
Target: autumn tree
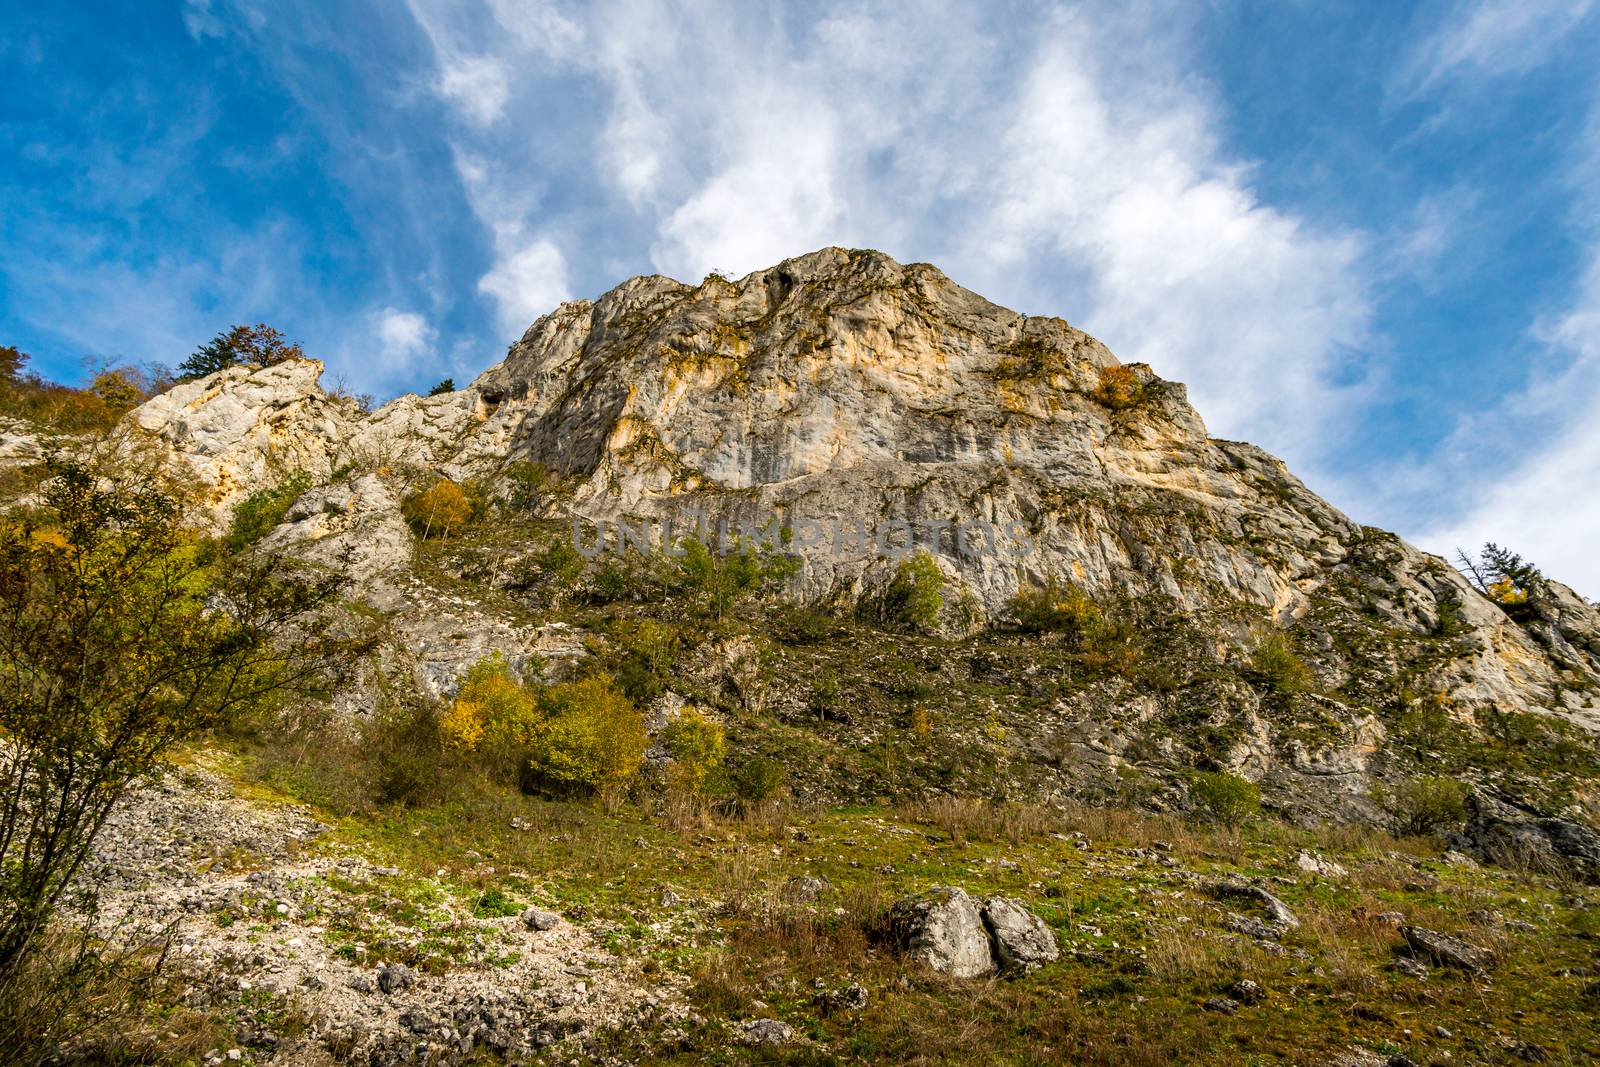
[(122, 634), (1503, 576), (12, 360)]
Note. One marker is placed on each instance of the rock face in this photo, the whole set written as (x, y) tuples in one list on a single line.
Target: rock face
[(1501, 830), (864, 405), (842, 392)]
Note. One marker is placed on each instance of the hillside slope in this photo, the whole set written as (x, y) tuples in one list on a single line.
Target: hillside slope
[(853, 402)]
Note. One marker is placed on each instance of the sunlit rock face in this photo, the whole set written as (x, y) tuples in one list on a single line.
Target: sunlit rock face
[(859, 403)]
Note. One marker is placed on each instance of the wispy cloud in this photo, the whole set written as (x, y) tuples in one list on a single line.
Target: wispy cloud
[(1523, 471), (1480, 39), (1015, 156), (527, 283)]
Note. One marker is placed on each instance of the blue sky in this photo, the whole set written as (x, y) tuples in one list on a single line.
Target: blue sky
[(1367, 236)]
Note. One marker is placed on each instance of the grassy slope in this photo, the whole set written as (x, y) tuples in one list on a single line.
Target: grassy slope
[(1144, 944)]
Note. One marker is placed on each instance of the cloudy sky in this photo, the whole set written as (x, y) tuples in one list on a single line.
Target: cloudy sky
[(1367, 235)]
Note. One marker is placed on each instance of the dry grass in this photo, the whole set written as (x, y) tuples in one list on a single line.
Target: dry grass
[(82, 1000), (968, 819), (1186, 947)]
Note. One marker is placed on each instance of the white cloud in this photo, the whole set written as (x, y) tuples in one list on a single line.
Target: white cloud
[(1021, 158), (1187, 269), (1543, 502), (404, 335), (774, 199), (526, 284), (1489, 38), (477, 86)]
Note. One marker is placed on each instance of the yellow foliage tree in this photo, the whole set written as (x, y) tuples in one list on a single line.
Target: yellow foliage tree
[(492, 712), (442, 510), (591, 736), (117, 390), (697, 745)]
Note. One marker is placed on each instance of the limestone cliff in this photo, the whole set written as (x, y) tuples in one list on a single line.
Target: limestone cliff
[(841, 389)]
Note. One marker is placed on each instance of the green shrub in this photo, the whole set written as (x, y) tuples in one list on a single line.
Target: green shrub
[(1220, 797), (256, 515), (400, 746), (447, 385), (1276, 665), (696, 744), (1426, 804), (915, 595), (494, 904), (1056, 607), (526, 485), (650, 649), (592, 737), (561, 563), (1451, 622), (718, 581), (758, 779)]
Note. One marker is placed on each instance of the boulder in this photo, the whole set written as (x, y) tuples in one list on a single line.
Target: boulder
[(1022, 942), (765, 1032), (537, 919), (1276, 911), (944, 930)]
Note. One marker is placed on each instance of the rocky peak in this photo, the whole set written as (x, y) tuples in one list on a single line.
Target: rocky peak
[(842, 391)]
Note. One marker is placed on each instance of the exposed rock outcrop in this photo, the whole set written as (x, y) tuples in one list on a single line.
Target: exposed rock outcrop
[(864, 406)]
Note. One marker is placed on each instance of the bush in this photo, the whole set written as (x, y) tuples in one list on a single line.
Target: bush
[(1220, 797), (448, 385), (915, 595), (526, 486), (718, 581), (696, 744), (583, 735), (118, 390), (1276, 665), (401, 747), (112, 654), (26, 395), (1119, 388), (591, 737), (1423, 805), (492, 713), (758, 779), (561, 563), (256, 515), (494, 904), (1451, 622), (1056, 608), (650, 648), (442, 510)]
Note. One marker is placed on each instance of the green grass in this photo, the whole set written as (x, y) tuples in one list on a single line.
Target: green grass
[(1133, 974)]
